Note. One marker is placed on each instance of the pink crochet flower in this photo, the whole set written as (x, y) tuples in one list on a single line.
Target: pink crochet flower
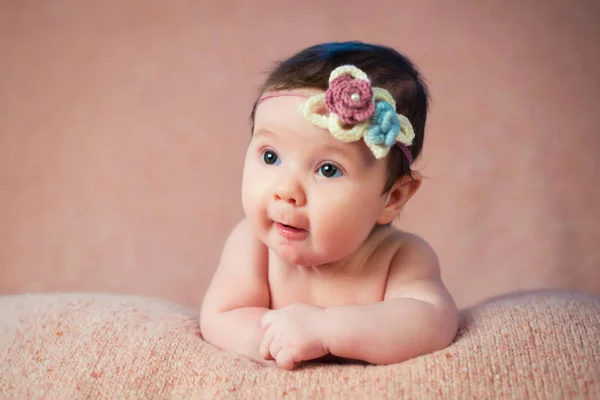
[(350, 99)]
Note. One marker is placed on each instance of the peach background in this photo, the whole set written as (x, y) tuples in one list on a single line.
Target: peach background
[(123, 127)]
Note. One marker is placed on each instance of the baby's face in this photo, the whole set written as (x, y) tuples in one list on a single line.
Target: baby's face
[(310, 197)]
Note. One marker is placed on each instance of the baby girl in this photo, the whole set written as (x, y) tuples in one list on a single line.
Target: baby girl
[(316, 267)]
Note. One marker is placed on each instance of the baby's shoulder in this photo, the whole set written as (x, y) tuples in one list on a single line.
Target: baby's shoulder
[(412, 256), (242, 245), (415, 273), (242, 233)]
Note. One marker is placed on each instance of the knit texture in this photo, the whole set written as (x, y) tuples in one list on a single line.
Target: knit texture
[(536, 345), (351, 102), (350, 99)]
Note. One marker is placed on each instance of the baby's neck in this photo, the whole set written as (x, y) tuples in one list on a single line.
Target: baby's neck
[(345, 266)]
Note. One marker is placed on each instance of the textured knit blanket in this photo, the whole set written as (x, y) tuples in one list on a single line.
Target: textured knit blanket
[(536, 345)]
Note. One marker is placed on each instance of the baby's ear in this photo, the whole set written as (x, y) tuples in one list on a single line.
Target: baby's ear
[(398, 196)]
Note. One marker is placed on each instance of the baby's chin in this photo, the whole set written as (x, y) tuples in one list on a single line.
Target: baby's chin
[(305, 259), (292, 257)]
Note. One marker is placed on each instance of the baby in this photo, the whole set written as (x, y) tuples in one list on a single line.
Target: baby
[(316, 268)]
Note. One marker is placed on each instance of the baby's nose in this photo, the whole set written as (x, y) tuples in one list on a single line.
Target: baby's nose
[(291, 192)]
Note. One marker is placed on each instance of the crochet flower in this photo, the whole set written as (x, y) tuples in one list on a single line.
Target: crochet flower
[(384, 126), (350, 99), (358, 110)]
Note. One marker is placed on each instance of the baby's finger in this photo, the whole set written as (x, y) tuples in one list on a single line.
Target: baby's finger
[(285, 359), (266, 319), (265, 344), (275, 348)]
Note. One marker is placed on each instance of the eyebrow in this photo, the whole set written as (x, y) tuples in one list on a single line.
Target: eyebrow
[(264, 132), (346, 154), (335, 150)]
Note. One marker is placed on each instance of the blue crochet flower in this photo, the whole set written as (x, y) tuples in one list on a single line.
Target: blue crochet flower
[(384, 125)]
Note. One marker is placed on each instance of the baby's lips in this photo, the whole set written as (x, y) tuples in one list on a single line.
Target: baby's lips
[(294, 226), (295, 220)]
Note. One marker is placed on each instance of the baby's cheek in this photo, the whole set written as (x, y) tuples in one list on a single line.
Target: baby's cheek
[(252, 193), (340, 234)]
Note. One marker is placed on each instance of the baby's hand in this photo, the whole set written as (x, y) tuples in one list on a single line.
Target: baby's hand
[(293, 334)]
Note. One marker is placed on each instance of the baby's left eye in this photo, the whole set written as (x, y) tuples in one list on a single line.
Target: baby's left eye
[(329, 171)]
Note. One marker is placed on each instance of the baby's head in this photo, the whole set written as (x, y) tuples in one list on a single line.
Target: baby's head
[(335, 131), (385, 67)]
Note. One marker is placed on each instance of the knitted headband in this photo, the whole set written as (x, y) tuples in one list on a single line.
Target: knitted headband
[(357, 110)]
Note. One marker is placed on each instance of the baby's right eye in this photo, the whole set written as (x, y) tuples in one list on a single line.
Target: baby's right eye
[(270, 157)]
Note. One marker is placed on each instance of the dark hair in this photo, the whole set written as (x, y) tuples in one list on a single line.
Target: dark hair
[(385, 67)]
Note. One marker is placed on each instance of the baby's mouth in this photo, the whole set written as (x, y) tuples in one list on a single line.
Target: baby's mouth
[(291, 227), (291, 232)]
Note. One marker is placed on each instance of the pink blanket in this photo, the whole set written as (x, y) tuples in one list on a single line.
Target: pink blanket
[(528, 345)]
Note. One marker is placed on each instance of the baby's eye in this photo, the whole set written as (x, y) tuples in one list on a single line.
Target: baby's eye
[(329, 171), (270, 157)]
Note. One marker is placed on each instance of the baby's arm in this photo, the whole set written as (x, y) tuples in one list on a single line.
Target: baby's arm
[(238, 296), (417, 316)]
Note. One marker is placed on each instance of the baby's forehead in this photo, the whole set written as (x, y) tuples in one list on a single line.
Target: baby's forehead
[(278, 116), (280, 110), (284, 98)]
